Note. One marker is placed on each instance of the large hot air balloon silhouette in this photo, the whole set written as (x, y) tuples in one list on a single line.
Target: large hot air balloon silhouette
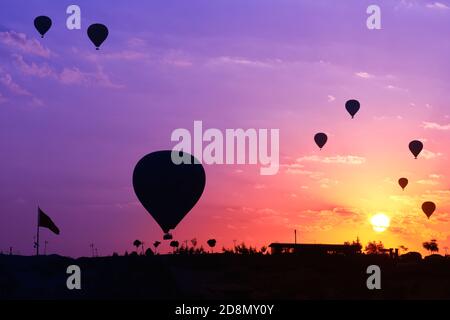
[(403, 182), (428, 208), (320, 139), (415, 147), (98, 33), (42, 24), (352, 107), (168, 191)]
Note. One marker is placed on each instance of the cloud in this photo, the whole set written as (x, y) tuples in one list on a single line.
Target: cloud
[(226, 60), (70, 76), (33, 69), (350, 160), (7, 80), (395, 88), (431, 179), (429, 182), (364, 75), (298, 169), (435, 126), (20, 41), (426, 154), (2, 98), (438, 6), (331, 98), (126, 55)]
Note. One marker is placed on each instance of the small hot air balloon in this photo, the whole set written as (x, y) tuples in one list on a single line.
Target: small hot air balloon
[(320, 139), (428, 208), (415, 147), (168, 191), (42, 24), (98, 33), (403, 182), (352, 107)]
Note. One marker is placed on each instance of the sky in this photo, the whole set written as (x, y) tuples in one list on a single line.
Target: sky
[(74, 121)]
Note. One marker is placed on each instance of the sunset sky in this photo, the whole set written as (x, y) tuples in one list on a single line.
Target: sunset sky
[(74, 121)]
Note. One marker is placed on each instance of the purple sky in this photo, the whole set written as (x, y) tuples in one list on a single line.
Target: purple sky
[(74, 121)]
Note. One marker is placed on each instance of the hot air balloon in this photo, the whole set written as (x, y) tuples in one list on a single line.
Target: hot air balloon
[(403, 182), (352, 107), (428, 208), (98, 33), (168, 191), (415, 147), (320, 139), (42, 24)]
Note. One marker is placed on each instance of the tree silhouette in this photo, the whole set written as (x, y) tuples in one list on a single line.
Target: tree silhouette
[(211, 243), (194, 242), (374, 248), (156, 245), (174, 244), (431, 246), (137, 244)]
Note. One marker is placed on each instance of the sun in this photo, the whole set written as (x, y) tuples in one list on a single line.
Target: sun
[(380, 222)]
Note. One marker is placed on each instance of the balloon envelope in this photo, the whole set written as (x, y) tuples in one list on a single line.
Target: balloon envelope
[(320, 139), (168, 191), (352, 107), (428, 208), (403, 182), (98, 33), (415, 147), (42, 24)]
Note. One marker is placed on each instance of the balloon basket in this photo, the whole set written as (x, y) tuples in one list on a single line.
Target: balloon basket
[(167, 236)]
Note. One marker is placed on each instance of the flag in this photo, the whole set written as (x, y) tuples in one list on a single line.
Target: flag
[(46, 222)]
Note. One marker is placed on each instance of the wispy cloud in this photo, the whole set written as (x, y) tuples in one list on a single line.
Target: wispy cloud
[(74, 75), (351, 160), (7, 80), (20, 41), (432, 179), (435, 126), (364, 75), (437, 6), (298, 169), (68, 75), (33, 69), (239, 61), (2, 98), (331, 98), (428, 155)]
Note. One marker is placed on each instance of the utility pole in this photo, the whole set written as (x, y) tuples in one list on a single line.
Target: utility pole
[(45, 247), (295, 236), (92, 249)]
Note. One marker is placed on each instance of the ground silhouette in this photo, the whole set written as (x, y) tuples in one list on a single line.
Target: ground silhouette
[(225, 276)]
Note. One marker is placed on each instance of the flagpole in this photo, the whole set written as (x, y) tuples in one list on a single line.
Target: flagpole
[(37, 236)]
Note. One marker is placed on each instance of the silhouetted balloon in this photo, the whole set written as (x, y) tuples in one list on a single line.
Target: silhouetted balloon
[(42, 24), (428, 208), (168, 191), (415, 147), (97, 33), (403, 182), (320, 139), (211, 243), (352, 107)]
